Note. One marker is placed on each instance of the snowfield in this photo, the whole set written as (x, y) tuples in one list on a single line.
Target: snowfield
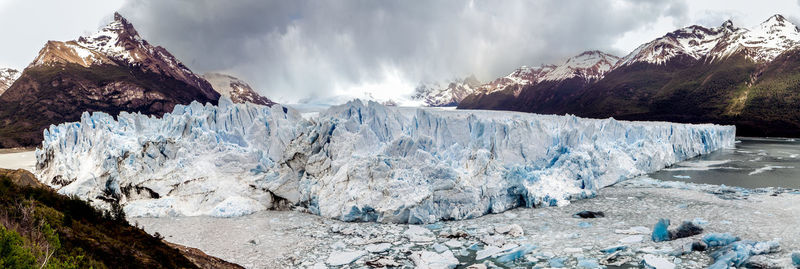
[(355, 162)]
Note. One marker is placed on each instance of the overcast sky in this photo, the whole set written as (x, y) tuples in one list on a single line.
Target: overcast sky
[(294, 50)]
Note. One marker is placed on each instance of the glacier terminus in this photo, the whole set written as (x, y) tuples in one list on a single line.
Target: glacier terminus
[(354, 162)]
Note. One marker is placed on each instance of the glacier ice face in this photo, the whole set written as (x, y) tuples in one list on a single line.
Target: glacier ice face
[(357, 161)]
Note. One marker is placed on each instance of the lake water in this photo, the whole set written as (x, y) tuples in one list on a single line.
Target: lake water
[(754, 163)]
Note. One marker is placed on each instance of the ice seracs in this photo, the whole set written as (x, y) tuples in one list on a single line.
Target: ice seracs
[(355, 162)]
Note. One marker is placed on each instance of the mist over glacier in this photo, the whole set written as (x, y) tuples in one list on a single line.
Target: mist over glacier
[(355, 162)]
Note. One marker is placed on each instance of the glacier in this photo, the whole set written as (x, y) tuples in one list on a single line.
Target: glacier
[(354, 162)]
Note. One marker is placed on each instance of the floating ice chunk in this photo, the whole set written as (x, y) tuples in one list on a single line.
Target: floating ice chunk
[(681, 176), (236, 206), (719, 239), (439, 248), (634, 230), (377, 248), (487, 252), (584, 224), (616, 248), (344, 257), (433, 260), (453, 243), (660, 231), (768, 168), (737, 253), (513, 230), (699, 222), (796, 259), (588, 263), (416, 233), (557, 262), (632, 239), (656, 262), (515, 253)]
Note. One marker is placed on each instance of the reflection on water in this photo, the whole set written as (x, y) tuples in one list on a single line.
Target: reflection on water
[(754, 163)]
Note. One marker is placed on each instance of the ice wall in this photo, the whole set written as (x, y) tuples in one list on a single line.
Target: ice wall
[(356, 162)]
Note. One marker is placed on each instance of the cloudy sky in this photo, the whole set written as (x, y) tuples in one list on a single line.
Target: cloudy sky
[(301, 50)]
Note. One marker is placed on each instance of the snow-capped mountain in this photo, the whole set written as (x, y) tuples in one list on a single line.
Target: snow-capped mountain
[(112, 70), (589, 65), (118, 43), (522, 76), (446, 94), (723, 74), (7, 77), (761, 44), (236, 89)]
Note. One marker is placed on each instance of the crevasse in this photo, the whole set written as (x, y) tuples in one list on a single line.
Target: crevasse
[(355, 162)]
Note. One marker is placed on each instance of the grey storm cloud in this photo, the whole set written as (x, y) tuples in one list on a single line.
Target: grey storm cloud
[(291, 50)]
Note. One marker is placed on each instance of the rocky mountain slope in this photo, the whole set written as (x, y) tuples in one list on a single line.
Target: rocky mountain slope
[(112, 70), (7, 77), (236, 89), (725, 74), (446, 94)]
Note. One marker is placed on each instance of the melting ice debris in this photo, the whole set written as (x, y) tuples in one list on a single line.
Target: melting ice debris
[(651, 261), (719, 239), (660, 231), (557, 262), (354, 162), (634, 230), (514, 230), (515, 253), (344, 257), (615, 249), (433, 260), (632, 239), (377, 248), (737, 253), (416, 233), (588, 263)]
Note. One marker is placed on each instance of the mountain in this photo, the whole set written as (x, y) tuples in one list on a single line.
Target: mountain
[(725, 74), (235, 89), (543, 87), (7, 77), (447, 94), (112, 70)]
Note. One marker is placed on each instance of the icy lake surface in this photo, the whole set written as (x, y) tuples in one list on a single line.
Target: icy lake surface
[(18, 159), (754, 163), (547, 236)]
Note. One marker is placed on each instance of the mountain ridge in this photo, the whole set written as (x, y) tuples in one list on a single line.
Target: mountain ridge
[(723, 75)]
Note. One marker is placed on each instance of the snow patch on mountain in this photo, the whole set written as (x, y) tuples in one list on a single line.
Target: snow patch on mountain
[(7, 77), (446, 94), (521, 77), (235, 89), (355, 162)]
